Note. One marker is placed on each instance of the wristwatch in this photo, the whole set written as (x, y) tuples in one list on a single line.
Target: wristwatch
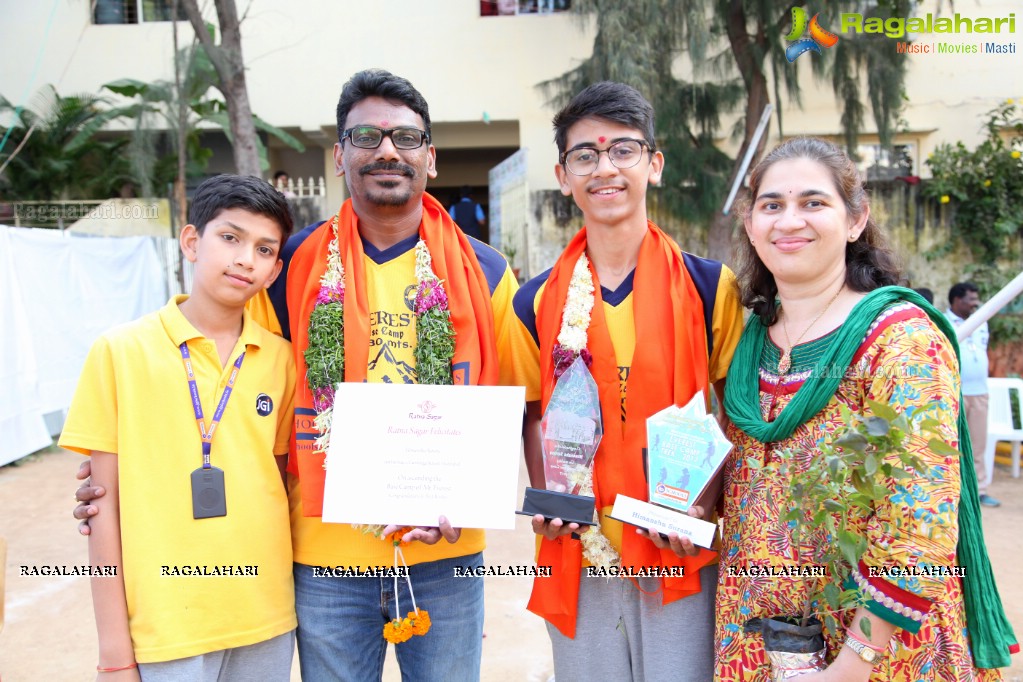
[(866, 653)]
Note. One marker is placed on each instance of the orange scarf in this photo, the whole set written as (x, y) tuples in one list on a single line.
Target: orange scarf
[(454, 263), (669, 366)]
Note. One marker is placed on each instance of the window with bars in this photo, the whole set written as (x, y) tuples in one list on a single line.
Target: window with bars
[(134, 11), (878, 163), (491, 8)]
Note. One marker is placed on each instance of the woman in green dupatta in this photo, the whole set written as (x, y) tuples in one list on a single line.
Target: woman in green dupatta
[(828, 330)]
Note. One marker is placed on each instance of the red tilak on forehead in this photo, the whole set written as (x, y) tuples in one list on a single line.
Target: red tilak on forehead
[(383, 123), (601, 139)]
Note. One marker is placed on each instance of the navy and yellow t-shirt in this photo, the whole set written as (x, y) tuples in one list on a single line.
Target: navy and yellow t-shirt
[(722, 319), (390, 287)]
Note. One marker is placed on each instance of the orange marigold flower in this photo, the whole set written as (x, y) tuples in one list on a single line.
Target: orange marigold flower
[(420, 621), (398, 631), (395, 538)]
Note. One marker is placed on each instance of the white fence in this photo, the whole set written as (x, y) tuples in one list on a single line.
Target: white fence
[(303, 187)]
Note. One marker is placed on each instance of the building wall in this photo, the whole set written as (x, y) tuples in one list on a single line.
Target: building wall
[(478, 73), (299, 54), (947, 94)]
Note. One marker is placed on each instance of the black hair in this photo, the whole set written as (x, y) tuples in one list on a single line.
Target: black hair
[(257, 196), (383, 84), (465, 192), (926, 293), (615, 102), (869, 262), (279, 173), (960, 289)]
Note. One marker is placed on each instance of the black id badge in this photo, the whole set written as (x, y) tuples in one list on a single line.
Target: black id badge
[(208, 499)]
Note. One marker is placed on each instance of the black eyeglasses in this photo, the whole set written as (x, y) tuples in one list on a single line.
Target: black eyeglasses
[(623, 154), (370, 137)]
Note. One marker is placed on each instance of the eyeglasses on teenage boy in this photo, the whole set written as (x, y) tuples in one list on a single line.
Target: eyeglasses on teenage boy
[(622, 154)]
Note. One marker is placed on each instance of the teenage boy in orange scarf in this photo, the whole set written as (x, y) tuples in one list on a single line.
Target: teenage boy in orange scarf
[(384, 153), (663, 326)]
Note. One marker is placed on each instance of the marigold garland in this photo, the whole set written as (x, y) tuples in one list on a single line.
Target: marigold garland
[(420, 621), (417, 622), (575, 323), (398, 631)]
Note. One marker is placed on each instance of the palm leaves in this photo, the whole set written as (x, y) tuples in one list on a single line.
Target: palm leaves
[(56, 151), (156, 108)]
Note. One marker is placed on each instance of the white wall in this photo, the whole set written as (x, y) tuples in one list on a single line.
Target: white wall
[(300, 53)]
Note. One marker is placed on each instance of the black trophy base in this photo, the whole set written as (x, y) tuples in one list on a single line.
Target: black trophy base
[(554, 505)]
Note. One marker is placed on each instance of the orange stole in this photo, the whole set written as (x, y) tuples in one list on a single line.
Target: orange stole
[(669, 366), (454, 263)]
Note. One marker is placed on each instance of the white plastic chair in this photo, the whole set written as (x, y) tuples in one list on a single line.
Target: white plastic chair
[(999, 422)]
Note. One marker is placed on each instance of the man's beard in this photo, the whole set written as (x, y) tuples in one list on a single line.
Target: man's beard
[(388, 198)]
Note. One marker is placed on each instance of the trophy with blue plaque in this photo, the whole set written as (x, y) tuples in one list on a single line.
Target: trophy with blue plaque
[(685, 451), (571, 429)]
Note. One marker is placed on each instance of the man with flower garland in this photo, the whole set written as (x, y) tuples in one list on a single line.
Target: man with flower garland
[(364, 300), (656, 325), (380, 258)]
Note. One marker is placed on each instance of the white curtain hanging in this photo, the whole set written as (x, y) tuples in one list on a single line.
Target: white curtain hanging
[(58, 292)]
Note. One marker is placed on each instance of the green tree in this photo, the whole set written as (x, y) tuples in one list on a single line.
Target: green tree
[(167, 145), (158, 103), (984, 189), (226, 58), (54, 149), (731, 46)]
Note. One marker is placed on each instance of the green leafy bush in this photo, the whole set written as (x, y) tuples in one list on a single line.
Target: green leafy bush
[(984, 188), (845, 478)]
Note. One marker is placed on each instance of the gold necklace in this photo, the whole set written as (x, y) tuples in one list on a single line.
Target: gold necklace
[(785, 364)]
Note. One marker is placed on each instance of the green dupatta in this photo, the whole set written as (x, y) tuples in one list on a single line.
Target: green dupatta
[(991, 635)]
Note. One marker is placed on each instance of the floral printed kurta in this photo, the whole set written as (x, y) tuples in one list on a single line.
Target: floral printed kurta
[(904, 361)]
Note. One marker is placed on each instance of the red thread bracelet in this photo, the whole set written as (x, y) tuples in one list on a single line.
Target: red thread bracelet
[(101, 669), (878, 649)]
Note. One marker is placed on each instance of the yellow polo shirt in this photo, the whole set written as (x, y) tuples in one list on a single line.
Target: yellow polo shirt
[(390, 287), (193, 585)]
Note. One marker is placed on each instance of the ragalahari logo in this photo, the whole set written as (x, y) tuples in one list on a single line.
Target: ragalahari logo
[(819, 37)]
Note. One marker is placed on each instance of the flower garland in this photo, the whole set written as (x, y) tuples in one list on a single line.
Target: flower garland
[(435, 334), (575, 321), (417, 622), (325, 355)]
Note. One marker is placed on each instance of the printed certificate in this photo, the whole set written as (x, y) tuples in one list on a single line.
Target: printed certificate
[(406, 454)]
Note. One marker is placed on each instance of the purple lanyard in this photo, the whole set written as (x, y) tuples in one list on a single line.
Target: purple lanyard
[(207, 437)]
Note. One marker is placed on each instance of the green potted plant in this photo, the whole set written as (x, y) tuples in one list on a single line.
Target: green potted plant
[(509, 253), (845, 478)]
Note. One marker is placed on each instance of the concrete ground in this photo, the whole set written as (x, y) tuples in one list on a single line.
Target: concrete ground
[(50, 635), (49, 632)]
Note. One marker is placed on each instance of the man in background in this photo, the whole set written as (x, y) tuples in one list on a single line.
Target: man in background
[(963, 301), (468, 214)]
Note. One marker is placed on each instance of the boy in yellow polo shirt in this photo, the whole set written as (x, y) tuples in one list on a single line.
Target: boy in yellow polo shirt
[(186, 413)]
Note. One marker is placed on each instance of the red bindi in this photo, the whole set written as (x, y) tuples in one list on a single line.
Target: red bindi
[(383, 123), (601, 139)]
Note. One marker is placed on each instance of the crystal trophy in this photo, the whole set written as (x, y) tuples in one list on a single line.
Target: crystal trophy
[(571, 429)]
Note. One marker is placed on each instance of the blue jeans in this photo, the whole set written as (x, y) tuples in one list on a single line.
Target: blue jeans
[(341, 622)]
